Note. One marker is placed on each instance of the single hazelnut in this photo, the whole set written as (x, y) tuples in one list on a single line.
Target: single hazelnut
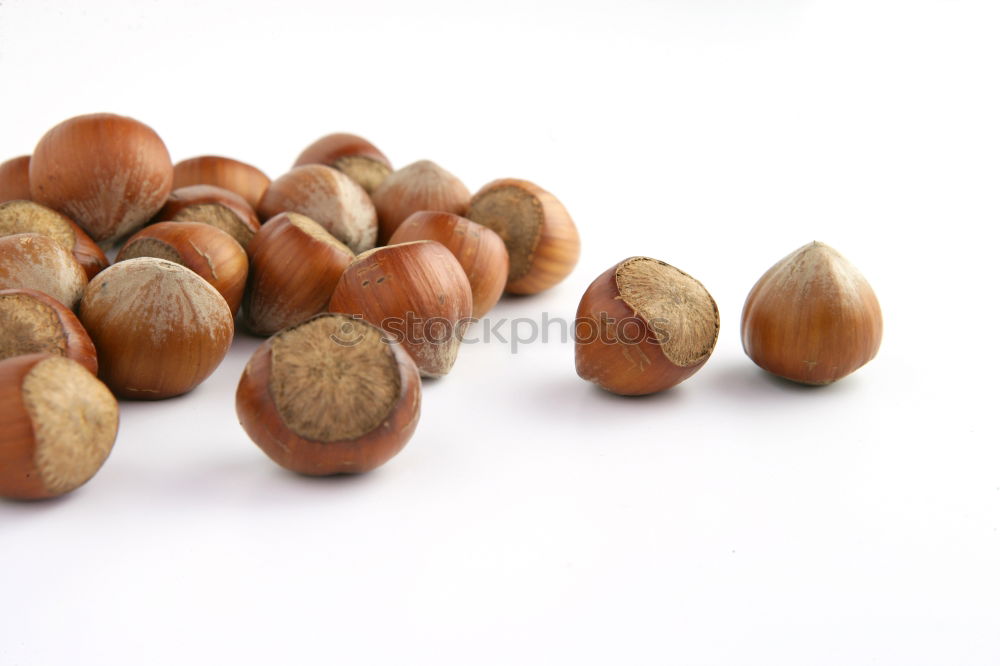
[(34, 323), (418, 293), (208, 251), (420, 186), (211, 205), (159, 328), (479, 250), (294, 266), (59, 424), (541, 238), (328, 197), (33, 261), (349, 154), (108, 173), (644, 326), (14, 179), (812, 318), (28, 217), (331, 395), (245, 180)]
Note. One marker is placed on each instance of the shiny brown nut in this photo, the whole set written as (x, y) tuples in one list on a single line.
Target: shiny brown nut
[(349, 154), (644, 326), (331, 395), (107, 173), (208, 251), (14, 179), (159, 328), (479, 250), (327, 197), (214, 206), (419, 186), (58, 427), (295, 266), (245, 180), (541, 239)]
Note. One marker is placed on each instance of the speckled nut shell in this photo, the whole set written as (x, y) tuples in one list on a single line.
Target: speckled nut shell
[(422, 185), (332, 395)]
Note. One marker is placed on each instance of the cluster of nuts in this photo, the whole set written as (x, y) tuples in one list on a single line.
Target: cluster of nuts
[(363, 277)]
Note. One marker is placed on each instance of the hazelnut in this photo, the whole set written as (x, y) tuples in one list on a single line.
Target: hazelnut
[(812, 318), (420, 186), (294, 266), (14, 179), (349, 154), (159, 328), (33, 261), (108, 173), (328, 197), (211, 205), (208, 251), (479, 250), (418, 293), (644, 326), (245, 180), (32, 322), (541, 238), (21, 217), (59, 424), (332, 395)]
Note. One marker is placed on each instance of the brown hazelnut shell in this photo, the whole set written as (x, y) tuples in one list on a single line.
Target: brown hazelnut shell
[(543, 250), (34, 261), (812, 318), (25, 472), (159, 328), (328, 197), (350, 154), (23, 216), (202, 203), (421, 279), (108, 173), (14, 179), (260, 418), (479, 250), (244, 179), (422, 185), (74, 342), (619, 348), (294, 267), (208, 251)]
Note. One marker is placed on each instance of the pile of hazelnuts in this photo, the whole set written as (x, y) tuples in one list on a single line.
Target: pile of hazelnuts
[(362, 278)]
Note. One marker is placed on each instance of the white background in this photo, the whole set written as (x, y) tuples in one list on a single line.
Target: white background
[(534, 519)]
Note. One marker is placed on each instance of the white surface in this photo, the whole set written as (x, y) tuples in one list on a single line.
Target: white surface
[(534, 519)]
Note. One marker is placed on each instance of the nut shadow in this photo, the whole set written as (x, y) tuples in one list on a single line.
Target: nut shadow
[(746, 383)]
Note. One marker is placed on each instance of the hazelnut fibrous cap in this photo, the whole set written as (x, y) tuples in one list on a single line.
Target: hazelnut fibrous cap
[(75, 421), (679, 310), (27, 216), (28, 326), (517, 216), (333, 378)]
